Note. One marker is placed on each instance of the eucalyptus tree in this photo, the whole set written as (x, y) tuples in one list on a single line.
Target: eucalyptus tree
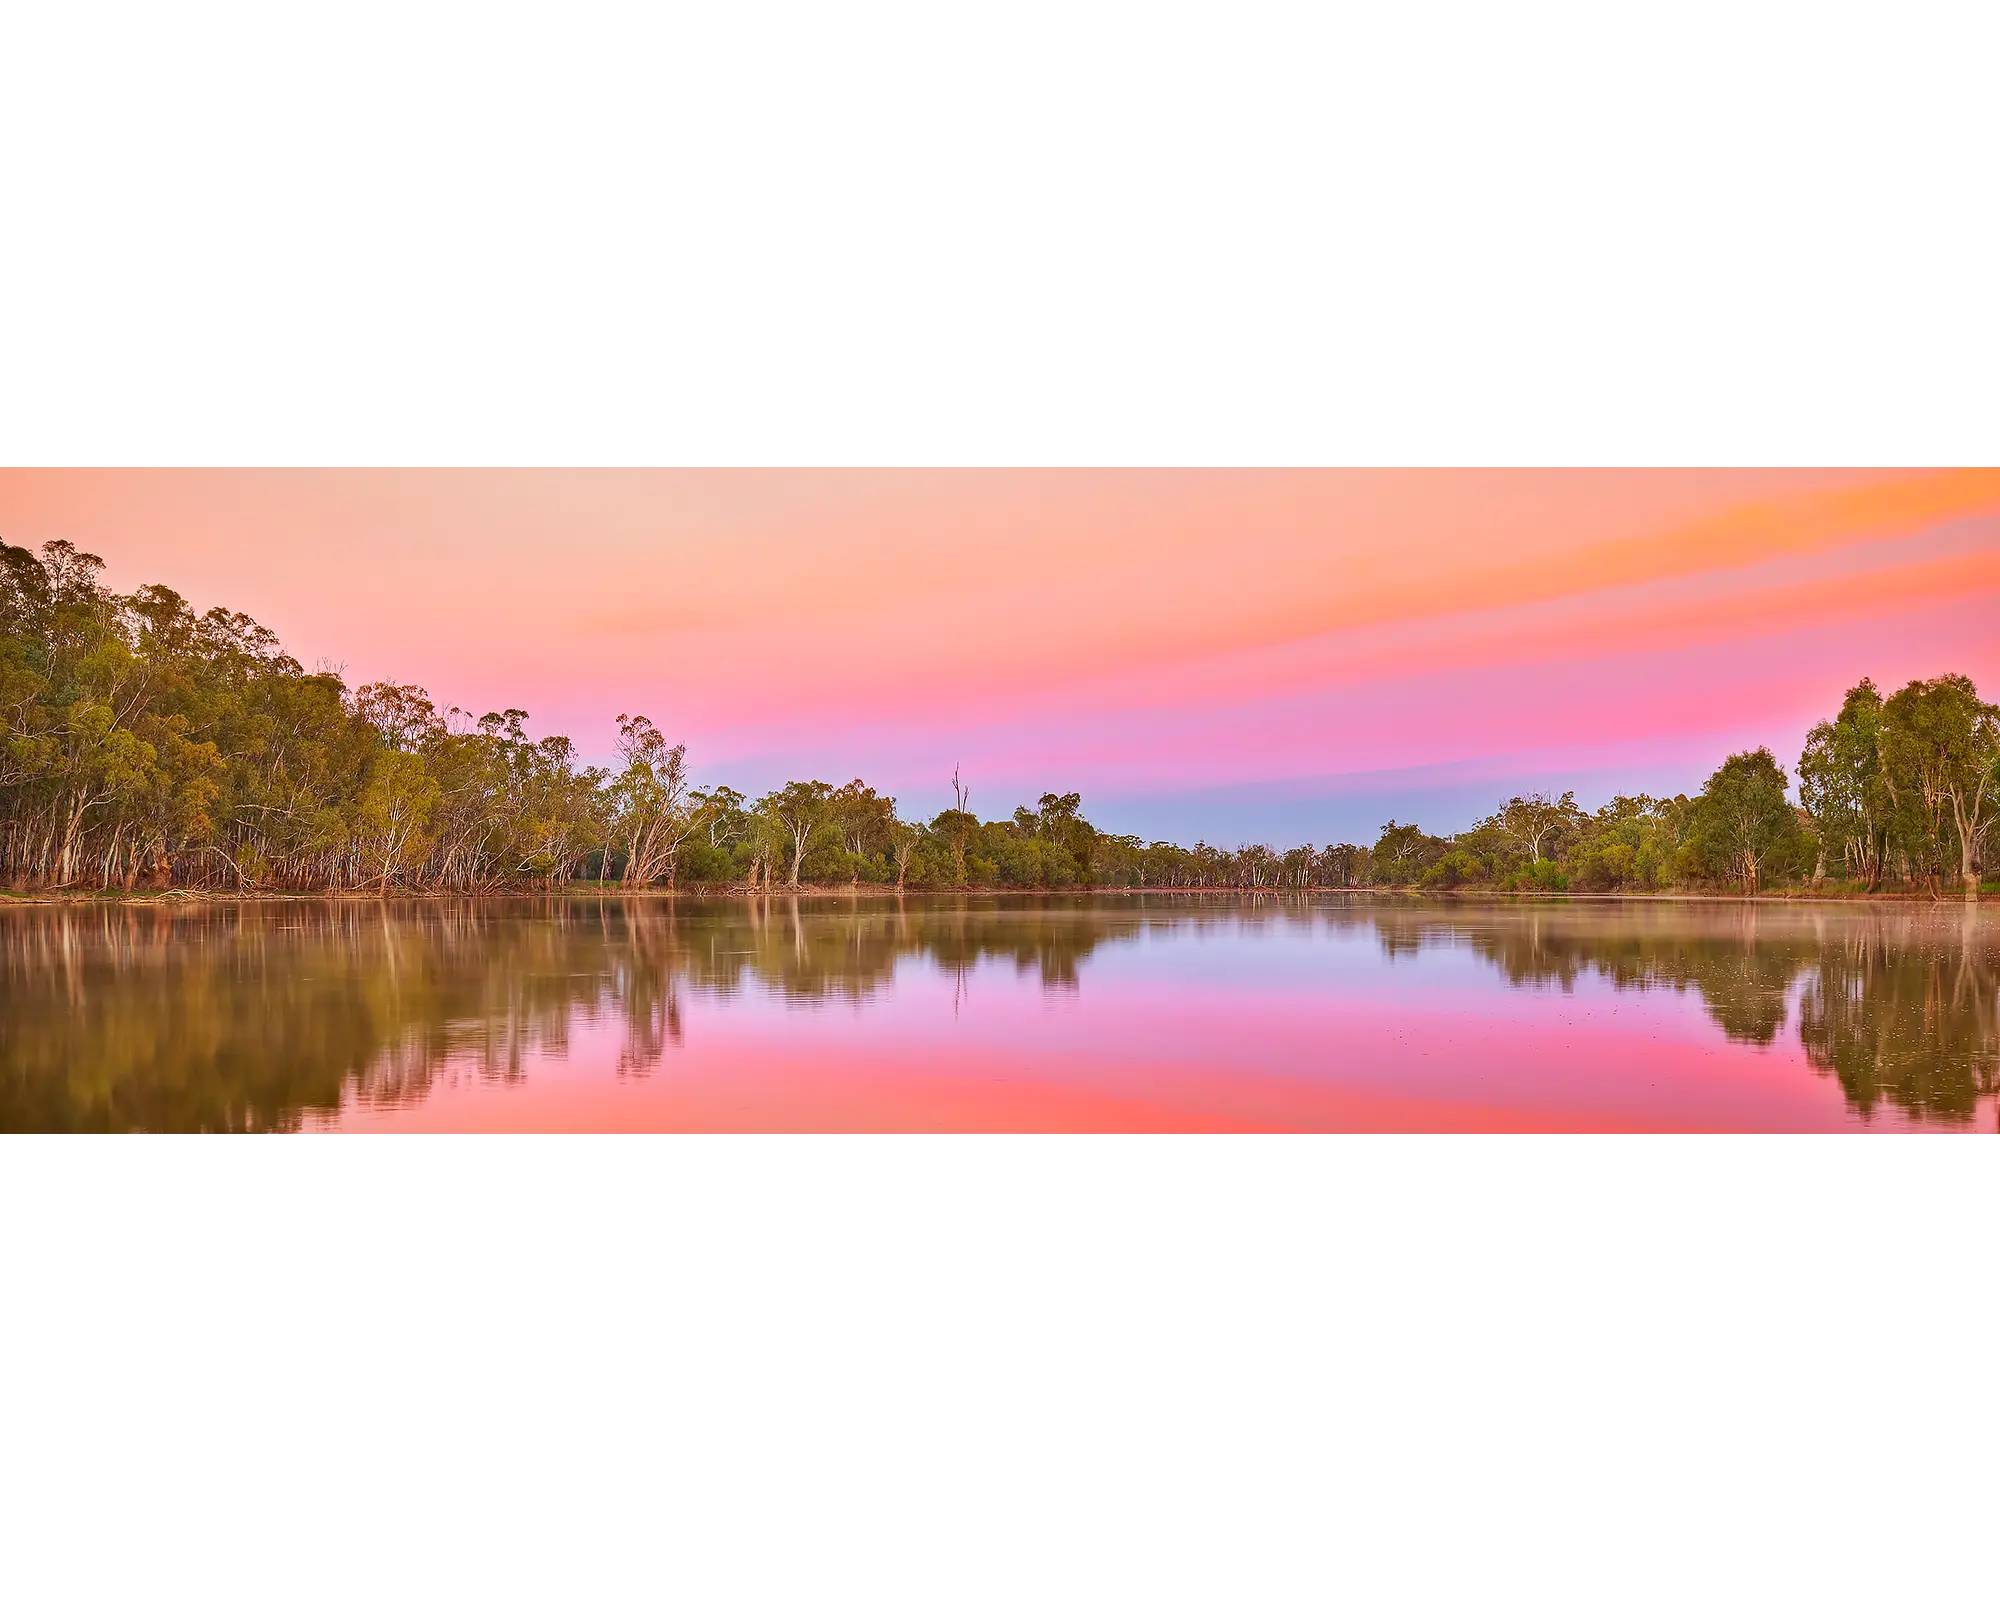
[(795, 814), (1744, 823), (765, 840), (1257, 865), (1623, 845), (722, 815), (1539, 824), (1060, 823), (1344, 863), (1941, 760), (470, 765), (956, 827), (393, 824), (864, 820), (652, 808), (559, 813), (1841, 786), (1403, 852), (904, 840)]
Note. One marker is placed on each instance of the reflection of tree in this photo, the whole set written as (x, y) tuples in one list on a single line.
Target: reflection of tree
[(1898, 1007), (1911, 1024), (222, 1017), (810, 951), (646, 989), (1742, 967), (245, 1017), (255, 1016)]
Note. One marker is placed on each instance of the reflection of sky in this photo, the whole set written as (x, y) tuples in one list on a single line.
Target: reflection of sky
[(1204, 1024), (1230, 655)]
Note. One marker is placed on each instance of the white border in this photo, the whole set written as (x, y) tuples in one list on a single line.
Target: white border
[(1551, 233), (998, 1366)]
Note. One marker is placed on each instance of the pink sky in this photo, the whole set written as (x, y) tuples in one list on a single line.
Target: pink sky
[(1233, 654)]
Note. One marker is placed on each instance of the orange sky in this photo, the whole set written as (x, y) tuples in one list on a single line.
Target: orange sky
[(1218, 651)]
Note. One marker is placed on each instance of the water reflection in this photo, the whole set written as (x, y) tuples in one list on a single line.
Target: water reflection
[(266, 1016), (1899, 1006), (199, 1018)]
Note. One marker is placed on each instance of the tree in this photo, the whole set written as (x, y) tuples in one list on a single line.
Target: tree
[(1256, 865), (864, 820), (795, 813), (1069, 842), (904, 837), (1344, 862), (956, 826), (1403, 852), (1619, 847), (766, 839), (401, 713), (556, 815), (651, 800), (722, 814), (1537, 823), (1744, 823), (1940, 748), (1840, 785), (395, 810)]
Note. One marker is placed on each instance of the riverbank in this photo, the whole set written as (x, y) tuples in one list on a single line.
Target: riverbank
[(1830, 894)]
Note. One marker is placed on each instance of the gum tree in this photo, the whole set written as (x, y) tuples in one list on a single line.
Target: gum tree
[(795, 813), (1840, 785), (1744, 824), (1940, 747)]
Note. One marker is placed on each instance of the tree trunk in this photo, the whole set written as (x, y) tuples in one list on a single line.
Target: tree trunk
[(1967, 873)]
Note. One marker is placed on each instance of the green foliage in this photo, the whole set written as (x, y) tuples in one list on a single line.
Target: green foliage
[(1537, 826), (1455, 867), (1623, 847), (1940, 758), (789, 819), (141, 743), (1539, 877), (1842, 789), (1744, 828), (1404, 853)]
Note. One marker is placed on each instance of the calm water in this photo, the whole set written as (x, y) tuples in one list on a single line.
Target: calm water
[(1054, 1013)]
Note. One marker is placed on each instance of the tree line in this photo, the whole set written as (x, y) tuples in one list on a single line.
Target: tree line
[(143, 745)]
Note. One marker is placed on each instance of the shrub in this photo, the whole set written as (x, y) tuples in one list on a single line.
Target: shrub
[(1540, 877), (1453, 868)]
